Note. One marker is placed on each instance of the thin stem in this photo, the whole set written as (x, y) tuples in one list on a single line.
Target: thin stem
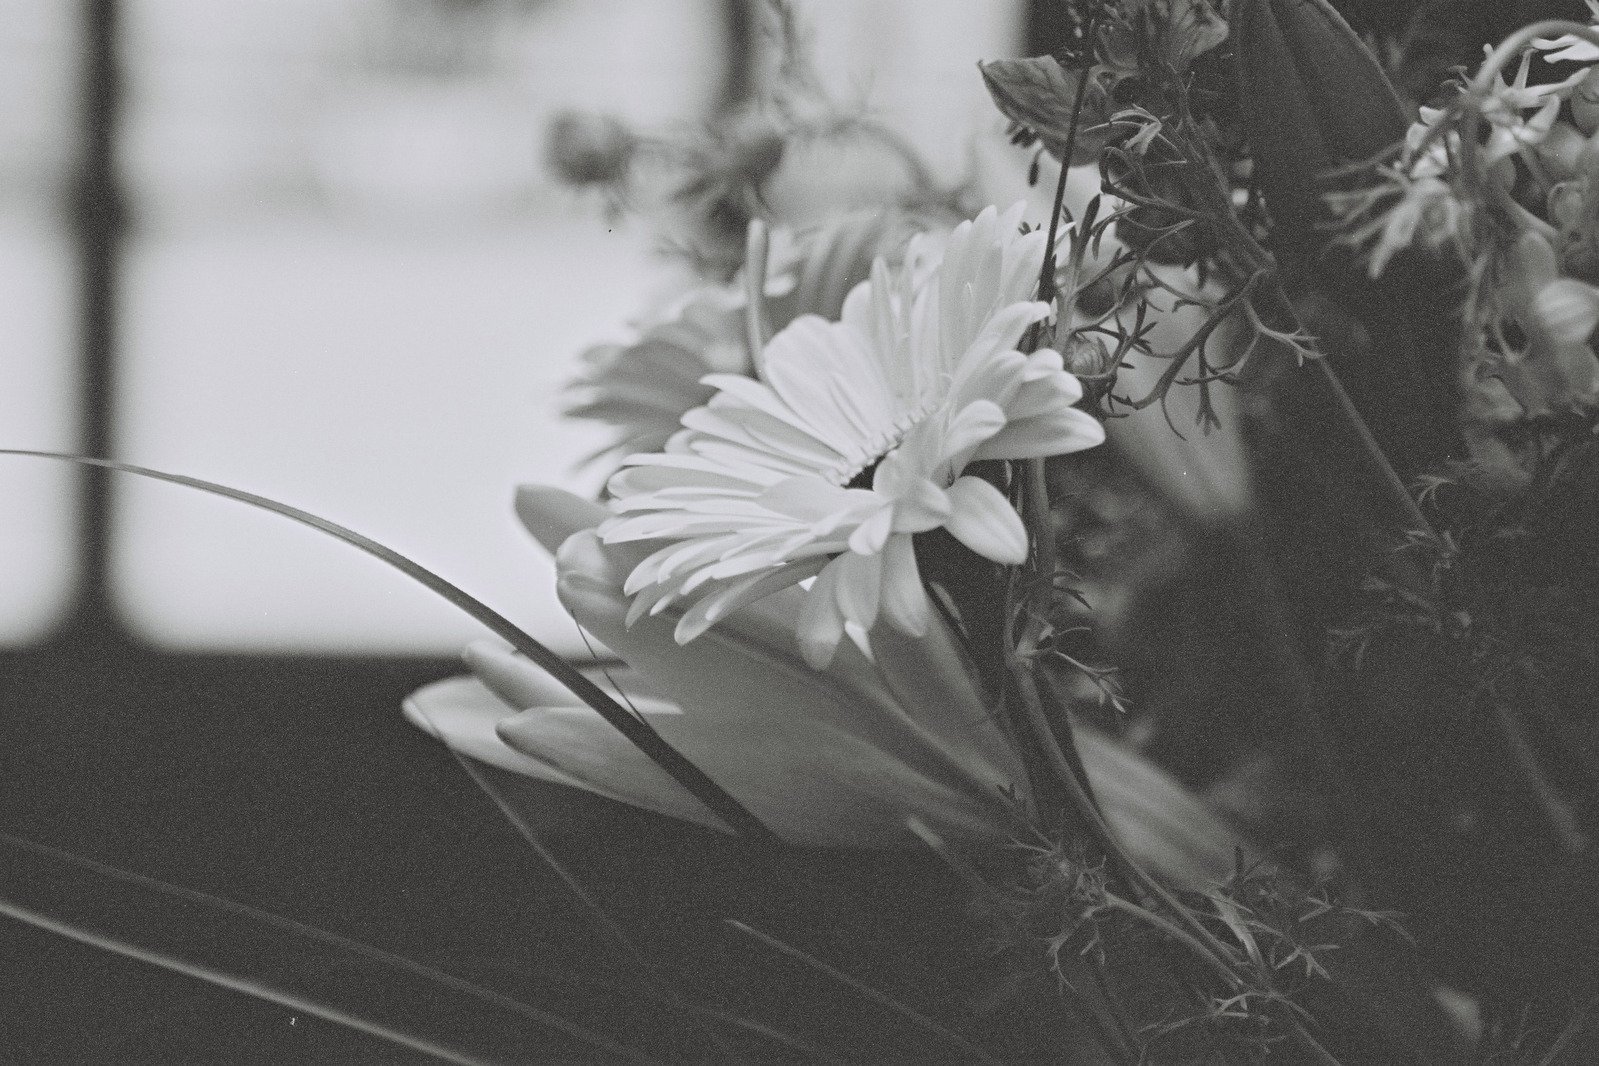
[(1127, 1036), (34, 869), (887, 1002), (627, 951), (1557, 812), (1180, 358), (757, 322), (1035, 497), (1222, 968), (1171, 931), (1044, 739), (1403, 503), (1046, 274)]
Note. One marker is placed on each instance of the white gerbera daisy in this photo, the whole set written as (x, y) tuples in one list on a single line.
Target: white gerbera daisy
[(854, 439)]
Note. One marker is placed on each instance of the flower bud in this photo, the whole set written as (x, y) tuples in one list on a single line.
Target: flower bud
[(756, 149), (1037, 94), (1086, 356), (588, 149), (1312, 98), (1560, 150), (1486, 402), (1588, 158), (1557, 370), (1568, 204), (1569, 310), (1585, 103)]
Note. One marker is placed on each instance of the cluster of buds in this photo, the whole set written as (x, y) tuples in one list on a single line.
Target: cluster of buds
[(1506, 176)]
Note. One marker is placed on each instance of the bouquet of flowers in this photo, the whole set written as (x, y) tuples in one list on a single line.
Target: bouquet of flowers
[(1150, 622)]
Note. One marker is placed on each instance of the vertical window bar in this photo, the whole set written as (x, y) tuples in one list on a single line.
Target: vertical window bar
[(741, 24), (98, 218)]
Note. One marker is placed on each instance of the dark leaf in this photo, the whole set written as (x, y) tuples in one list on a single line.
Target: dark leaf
[(1038, 93)]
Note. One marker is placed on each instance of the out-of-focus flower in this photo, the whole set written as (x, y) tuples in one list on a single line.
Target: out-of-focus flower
[(726, 170), (1557, 369), (1568, 47), (1510, 129), (1574, 209), (1418, 200), (841, 757), (1424, 211), (1429, 152), (587, 149), (855, 438), (644, 388)]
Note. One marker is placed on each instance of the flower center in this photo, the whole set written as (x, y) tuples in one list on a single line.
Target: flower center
[(858, 475)]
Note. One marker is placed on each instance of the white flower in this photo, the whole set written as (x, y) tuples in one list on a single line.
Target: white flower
[(1512, 131), (835, 758), (1429, 153), (644, 387), (1572, 49), (857, 437)]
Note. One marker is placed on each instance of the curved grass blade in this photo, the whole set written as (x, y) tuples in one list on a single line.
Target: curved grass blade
[(297, 966), (915, 1017), (635, 729), (1578, 1022), (650, 982), (620, 941)]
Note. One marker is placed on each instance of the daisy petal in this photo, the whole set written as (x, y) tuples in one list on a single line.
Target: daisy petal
[(984, 521), (904, 601), (552, 514), (1061, 432), (463, 714), (820, 625)]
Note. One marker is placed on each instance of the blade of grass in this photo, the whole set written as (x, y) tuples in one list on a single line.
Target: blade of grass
[(915, 1017), (1578, 1022), (620, 941), (631, 726), (276, 959), (623, 942)]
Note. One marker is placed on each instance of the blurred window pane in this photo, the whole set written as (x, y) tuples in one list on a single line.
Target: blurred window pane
[(37, 535), (914, 63), (350, 286)]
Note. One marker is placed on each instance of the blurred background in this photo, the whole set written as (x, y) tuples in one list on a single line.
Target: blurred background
[(334, 270), (310, 248)]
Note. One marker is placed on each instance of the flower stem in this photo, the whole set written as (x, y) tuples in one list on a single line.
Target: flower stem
[(1171, 931), (757, 322), (1046, 273), (1223, 969)]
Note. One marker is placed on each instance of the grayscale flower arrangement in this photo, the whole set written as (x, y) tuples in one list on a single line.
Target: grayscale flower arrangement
[(1158, 626)]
